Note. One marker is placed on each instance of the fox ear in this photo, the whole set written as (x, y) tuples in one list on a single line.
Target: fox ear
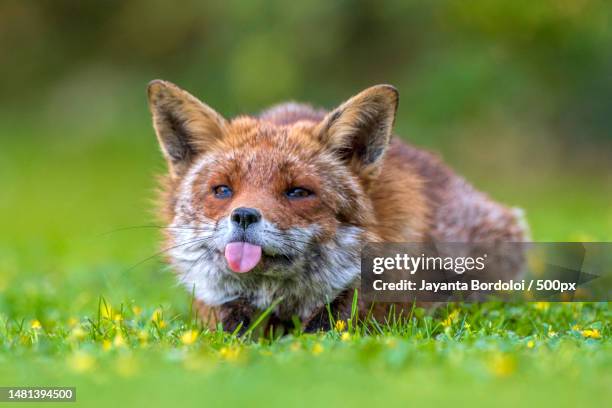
[(359, 130), (185, 126)]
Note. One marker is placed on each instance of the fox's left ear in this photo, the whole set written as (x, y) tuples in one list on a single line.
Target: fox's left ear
[(359, 130)]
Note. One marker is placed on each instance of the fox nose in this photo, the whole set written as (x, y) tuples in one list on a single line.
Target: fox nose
[(243, 217)]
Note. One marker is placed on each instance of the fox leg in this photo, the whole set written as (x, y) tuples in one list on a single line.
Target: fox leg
[(340, 308), (229, 314)]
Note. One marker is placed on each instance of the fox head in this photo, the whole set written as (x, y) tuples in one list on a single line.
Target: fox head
[(258, 207)]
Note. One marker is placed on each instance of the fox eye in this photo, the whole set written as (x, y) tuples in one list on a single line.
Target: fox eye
[(298, 192), (222, 191)]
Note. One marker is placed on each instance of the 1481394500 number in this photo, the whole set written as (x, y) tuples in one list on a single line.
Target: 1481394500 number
[(42, 393)]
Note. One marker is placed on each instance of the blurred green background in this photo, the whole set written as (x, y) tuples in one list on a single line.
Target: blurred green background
[(517, 96)]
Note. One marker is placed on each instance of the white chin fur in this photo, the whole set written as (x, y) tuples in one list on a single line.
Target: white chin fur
[(315, 278)]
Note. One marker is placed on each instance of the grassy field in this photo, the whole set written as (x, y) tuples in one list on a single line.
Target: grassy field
[(78, 307), (516, 95)]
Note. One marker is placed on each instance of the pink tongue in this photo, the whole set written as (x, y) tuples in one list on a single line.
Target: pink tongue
[(242, 256)]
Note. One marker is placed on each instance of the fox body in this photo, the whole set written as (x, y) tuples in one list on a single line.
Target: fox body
[(279, 205)]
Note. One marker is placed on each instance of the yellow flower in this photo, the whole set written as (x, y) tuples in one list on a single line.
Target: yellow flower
[(107, 345), (591, 334), (390, 342), (543, 306), (452, 317), (157, 315), (530, 344), (346, 336), (576, 327), (81, 362), (502, 365), (317, 349), (158, 318), (230, 353), (77, 333), (189, 337), (36, 325), (117, 317), (73, 322), (143, 336), (340, 325), (106, 311), (119, 341), (295, 346), (136, 310)]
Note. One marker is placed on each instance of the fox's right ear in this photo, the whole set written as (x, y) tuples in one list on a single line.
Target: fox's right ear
[(359, 130), (184, 125)]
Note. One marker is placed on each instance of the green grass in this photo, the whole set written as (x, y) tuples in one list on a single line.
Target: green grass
[(66, 263), (470, 354)]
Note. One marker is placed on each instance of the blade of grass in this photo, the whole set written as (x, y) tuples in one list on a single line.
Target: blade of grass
[(261, 317)]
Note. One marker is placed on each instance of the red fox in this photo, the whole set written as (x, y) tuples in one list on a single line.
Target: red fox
[(279, 205)]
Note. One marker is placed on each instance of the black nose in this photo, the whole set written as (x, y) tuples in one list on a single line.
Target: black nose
[(245, 216)]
